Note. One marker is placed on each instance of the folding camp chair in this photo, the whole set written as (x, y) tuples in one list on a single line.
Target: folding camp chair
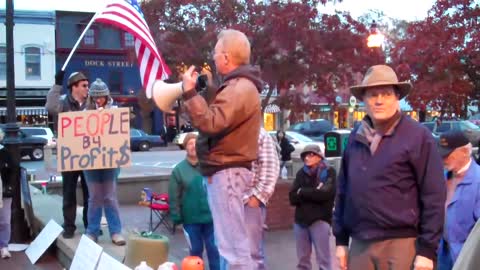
[(158, 204)]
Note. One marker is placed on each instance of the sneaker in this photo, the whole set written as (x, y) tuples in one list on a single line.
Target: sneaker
[(5, 254), (118, 239), (92, 237), (68, 234)]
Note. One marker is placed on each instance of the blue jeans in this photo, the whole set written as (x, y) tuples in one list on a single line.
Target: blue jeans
[(317, 234), (102, 188), (255, 220), (5, 227), (199, 235), (225, 198)]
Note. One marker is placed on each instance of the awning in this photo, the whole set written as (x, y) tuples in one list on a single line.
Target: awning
[(272, 108), (26, 111)]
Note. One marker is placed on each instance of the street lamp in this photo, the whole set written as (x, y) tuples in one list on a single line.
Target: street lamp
[(376, 38), (19, 226), (375, 42)]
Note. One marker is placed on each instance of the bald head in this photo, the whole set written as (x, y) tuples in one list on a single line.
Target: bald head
[(236, 45)]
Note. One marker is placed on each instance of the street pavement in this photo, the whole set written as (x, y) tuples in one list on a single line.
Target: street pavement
[(279, 245), (159, 160)]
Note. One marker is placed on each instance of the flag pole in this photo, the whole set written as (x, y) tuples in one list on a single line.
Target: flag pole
[(79, 39)]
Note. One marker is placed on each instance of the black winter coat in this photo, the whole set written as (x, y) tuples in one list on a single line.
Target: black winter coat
[(313, 204), (5, 162), (286, 149)]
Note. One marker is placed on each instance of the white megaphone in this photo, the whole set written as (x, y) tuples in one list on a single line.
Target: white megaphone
[(165, 94)]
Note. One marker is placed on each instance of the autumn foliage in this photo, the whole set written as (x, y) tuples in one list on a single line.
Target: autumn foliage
[(296, 45), (291, 42), (441, 56)]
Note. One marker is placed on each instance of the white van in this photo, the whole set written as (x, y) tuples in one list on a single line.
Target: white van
[(42, 132)]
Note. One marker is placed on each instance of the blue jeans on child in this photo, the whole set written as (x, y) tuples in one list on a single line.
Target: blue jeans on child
[(199, 235), (225, 190), (318, 235), (102, 188)]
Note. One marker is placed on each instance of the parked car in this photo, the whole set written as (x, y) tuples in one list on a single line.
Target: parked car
[(471, 130), (178, 140), (298, 141), (314, 129), (141, 141), (29, 145), (41, 132)]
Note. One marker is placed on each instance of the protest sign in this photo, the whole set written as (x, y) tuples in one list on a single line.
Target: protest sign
[(93, 139), (46, 237), (87, 255)]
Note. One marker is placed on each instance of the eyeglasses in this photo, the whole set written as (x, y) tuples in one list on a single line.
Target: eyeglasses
[(309, 155)]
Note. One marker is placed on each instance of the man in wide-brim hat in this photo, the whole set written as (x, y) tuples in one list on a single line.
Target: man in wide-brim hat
[(391, 192)]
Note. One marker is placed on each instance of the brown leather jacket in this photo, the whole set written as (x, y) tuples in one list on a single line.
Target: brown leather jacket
[(228, 127)]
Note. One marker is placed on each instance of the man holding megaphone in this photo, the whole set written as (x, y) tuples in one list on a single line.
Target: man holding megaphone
[(227, 144)]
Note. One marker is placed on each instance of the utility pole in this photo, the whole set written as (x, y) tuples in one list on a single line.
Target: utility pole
[(19, 225)]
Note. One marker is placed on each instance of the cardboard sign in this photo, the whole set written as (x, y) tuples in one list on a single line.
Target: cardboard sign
[(87, 255), (46, 237), (107, 262), (93, 140)]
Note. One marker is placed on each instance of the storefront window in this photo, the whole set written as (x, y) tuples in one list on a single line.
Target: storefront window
[(115, 81), (269, 121)]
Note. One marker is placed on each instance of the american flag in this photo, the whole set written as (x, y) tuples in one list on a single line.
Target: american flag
[(128, 16)]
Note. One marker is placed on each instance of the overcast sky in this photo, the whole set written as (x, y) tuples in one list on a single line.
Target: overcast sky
[(401, 9)]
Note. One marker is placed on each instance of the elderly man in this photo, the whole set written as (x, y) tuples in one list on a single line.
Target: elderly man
[(266, 169), (391, 192), (228, 142), (463, 196)]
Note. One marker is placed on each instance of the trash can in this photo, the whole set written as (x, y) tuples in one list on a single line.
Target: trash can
[(335, 142)]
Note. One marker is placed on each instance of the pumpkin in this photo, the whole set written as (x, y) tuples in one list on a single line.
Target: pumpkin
[(192, 263)]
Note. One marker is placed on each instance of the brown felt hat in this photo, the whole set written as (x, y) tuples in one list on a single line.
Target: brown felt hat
[(380, 75)]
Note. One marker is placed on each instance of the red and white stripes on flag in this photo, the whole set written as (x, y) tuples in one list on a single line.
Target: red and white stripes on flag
[(127, 16)]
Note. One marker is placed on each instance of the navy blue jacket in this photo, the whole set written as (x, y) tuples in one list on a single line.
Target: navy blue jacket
[(397, 192)]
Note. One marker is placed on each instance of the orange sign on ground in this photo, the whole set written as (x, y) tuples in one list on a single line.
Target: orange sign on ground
[(93, 140)]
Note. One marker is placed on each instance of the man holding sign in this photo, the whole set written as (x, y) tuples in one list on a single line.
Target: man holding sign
[(73, 100)]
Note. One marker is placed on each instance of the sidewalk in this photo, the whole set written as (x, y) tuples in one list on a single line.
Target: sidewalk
[(20, 261), (279, 245)]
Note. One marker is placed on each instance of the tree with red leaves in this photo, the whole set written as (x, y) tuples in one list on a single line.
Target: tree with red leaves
[(441, 56), (291, 42)]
